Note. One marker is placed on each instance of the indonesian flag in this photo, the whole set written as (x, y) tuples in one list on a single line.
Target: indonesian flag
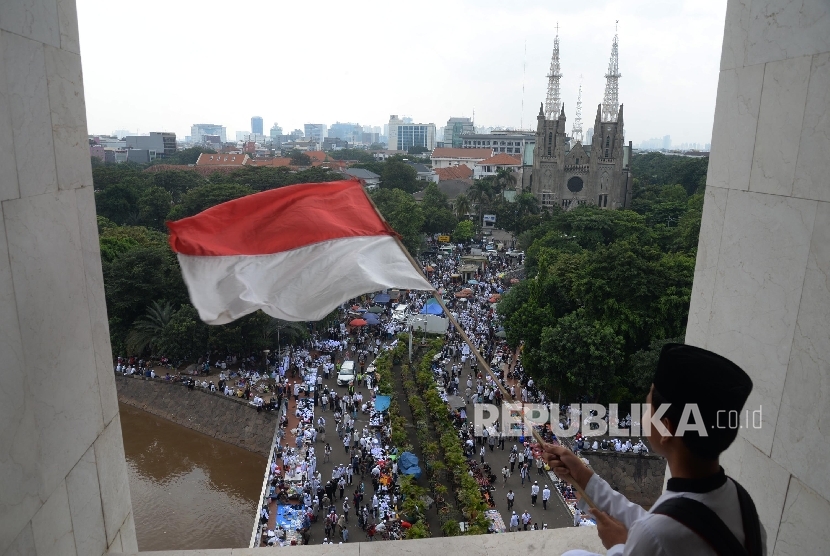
[(296, 252)]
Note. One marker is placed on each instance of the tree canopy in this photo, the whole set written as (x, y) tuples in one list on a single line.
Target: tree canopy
[(606, 288)]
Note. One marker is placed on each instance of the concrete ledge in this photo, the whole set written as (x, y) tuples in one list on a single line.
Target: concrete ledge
[(550, 543)]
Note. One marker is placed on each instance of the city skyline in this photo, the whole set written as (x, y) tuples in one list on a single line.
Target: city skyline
[(668, 60)]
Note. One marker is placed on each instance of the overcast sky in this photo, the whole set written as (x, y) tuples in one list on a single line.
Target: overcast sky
[(165, 65)]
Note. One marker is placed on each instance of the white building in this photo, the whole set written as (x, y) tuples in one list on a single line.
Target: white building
[(198, 132), (491, 166), (403, 135), (446, 157)]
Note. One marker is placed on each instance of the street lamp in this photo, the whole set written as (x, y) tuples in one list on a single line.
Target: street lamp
[(266, 352)]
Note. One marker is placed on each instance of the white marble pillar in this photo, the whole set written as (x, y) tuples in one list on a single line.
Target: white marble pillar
[(761, 292), (63, 479)]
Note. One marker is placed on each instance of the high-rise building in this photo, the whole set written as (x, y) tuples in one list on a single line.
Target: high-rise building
[(256, 125), (349, 132), (667, 142), (199, 131), (456, 127), (404, 135), (316, 132)]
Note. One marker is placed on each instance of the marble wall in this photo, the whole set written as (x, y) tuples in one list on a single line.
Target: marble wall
[(762, 282), (62, 472)]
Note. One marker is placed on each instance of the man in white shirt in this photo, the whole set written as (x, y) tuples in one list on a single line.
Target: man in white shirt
[(534, 493), (545, 497), (702, 512)]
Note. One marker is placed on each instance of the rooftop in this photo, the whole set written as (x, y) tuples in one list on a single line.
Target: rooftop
[(500, 159), (474, 154)]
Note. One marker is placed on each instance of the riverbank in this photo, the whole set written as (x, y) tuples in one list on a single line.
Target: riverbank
[(231, 420)]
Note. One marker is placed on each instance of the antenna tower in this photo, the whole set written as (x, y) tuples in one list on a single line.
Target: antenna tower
[(553, 103), (576, 132), (611, 101)]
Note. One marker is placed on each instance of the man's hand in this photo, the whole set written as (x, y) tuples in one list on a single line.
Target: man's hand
[(611, 531), (566, 465)]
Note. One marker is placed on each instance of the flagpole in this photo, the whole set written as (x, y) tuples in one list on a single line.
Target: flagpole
[(466, 338)]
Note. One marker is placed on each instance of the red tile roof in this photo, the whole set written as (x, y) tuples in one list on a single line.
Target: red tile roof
[(454, 173), (206, 159), (274, 162), (317, 156), (475, 154), (500, 159)]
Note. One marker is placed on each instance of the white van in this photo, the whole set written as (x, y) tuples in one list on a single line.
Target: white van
[(346, 374), (400, 312), (445, 249)]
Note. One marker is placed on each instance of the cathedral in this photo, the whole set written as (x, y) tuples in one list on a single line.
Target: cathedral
[(563, 171)]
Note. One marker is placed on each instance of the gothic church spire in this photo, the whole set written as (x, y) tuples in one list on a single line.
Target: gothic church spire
[(554, 100), (611, 101)]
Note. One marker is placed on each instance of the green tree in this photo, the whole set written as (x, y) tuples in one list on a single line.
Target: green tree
[(206, 196), (177, 182), (403, 214), (505, 179), (643, 366), (184, 156), (438, 218), (153, 206), (299, 158), (463, 232), (118, 203), (461, 206), (147, 331), (581, 355), (185, 336), (399, 175)]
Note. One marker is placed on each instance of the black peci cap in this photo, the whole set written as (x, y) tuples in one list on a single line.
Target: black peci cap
[(692, 375)]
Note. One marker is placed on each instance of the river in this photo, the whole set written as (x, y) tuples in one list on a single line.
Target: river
[(189, 491)]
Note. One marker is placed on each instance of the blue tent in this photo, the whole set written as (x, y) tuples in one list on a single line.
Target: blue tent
[(382, 403), (432, 308), (382, 298), (408, 465), (371, 319)]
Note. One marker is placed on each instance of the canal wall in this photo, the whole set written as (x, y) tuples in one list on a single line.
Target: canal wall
[(638, 476), (229, 419)]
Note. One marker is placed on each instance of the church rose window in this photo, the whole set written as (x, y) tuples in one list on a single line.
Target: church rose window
[(575, 184)]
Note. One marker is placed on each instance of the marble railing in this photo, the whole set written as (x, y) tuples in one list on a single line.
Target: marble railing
[(551, 542)]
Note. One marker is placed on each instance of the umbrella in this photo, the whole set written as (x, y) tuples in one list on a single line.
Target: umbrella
[(429, 269), (371, 319), (358, 322), (361, 310), (494, 298), (514, 280), (501, 334), (466, 292), (473, 282), (375, 309), (355, 307), (382, 298)]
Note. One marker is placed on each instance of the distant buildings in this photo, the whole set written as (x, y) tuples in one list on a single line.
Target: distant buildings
[(404, 135), (256, 125), (446, 157), (370, 180), (199, 132), (316, 132), (501, 161), (456, 127), (161, 143), (349, 132), (507, 141)]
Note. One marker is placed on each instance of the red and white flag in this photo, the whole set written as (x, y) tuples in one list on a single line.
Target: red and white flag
[(296, 252)]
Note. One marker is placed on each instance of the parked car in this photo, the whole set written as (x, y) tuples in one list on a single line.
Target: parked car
[(346, 374)]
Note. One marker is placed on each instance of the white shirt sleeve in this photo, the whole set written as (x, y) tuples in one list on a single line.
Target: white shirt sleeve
[(611, 502)]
